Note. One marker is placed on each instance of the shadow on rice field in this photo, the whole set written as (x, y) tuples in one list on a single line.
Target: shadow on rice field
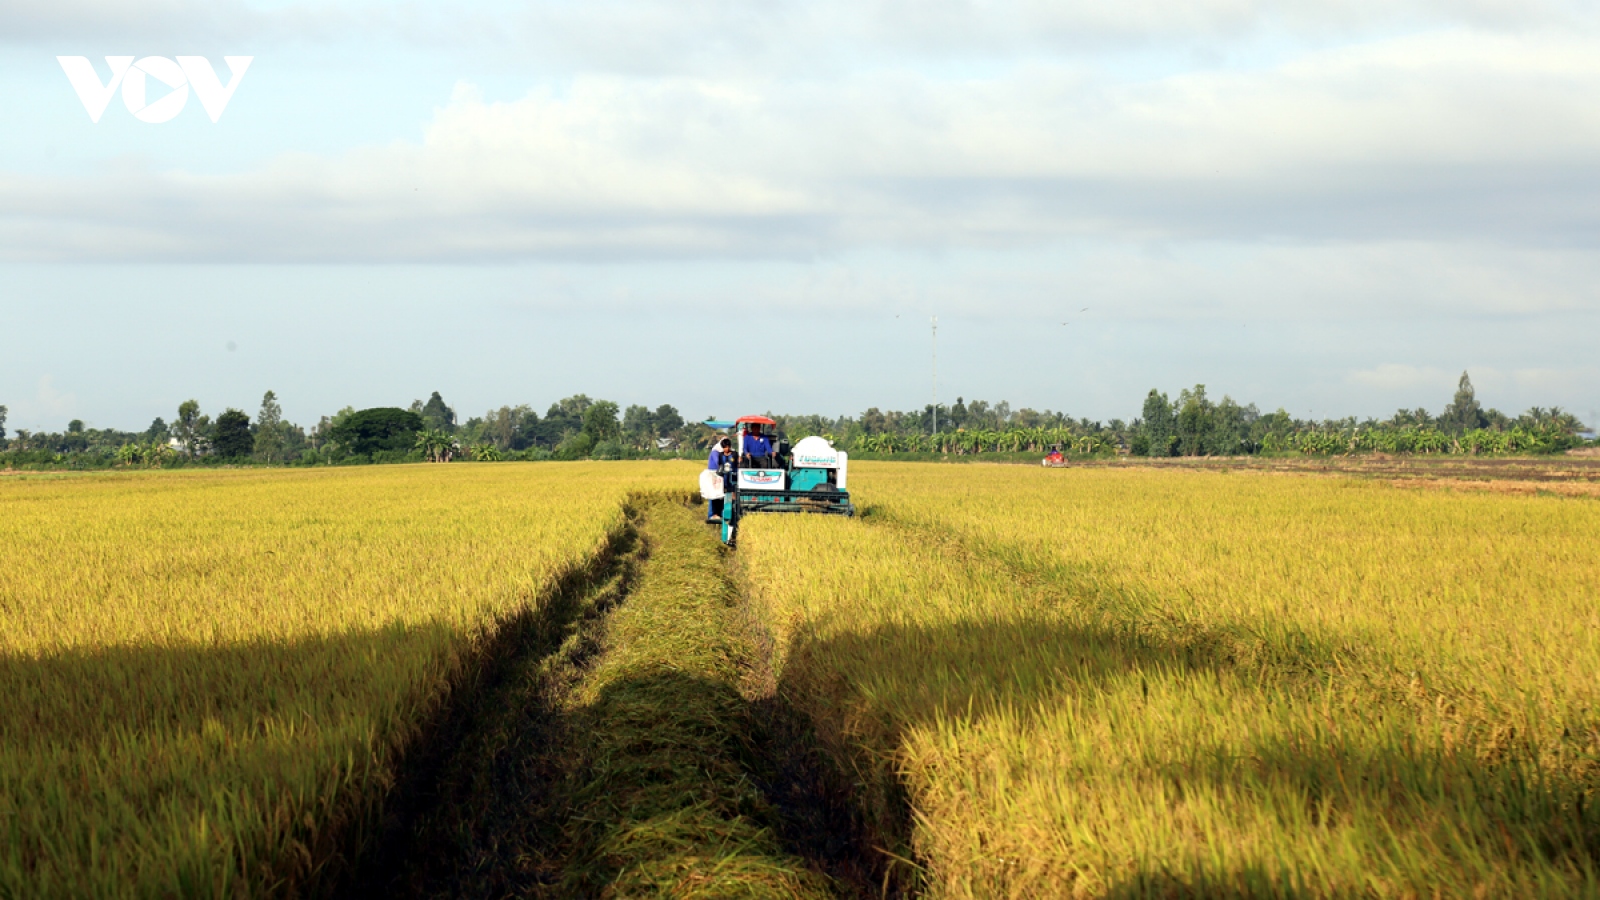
[(634, 759), (1141, 706), (1291, 769), (197, 762), (940, 712), (206, 767), (605, 742)]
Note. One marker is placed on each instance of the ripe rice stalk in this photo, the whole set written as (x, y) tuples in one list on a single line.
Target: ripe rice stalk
[(208, 677), (1154, 681)]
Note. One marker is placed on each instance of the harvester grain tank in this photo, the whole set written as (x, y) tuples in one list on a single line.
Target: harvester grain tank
[(810, 477)]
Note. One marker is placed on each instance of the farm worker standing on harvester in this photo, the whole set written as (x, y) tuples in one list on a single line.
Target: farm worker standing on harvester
[(719, 452)]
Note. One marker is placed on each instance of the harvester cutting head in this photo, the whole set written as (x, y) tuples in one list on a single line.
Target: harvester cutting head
[(811, 477)]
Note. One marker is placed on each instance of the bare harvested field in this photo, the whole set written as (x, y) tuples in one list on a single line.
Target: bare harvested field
[(1575, 466)]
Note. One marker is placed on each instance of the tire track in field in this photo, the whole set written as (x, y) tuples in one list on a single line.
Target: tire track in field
[(466, 814), (629, 750)]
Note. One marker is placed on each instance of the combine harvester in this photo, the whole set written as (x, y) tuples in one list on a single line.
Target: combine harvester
[(810, 477)]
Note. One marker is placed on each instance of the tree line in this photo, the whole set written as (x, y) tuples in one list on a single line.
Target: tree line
[(1193, 424), (578, 427), (575, 427)]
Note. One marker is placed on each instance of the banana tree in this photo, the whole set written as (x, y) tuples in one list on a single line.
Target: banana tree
[(436, 445), (1430, 441), (158, 454)]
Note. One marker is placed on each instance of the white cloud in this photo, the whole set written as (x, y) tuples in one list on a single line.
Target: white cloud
[(1537, 381), (1452, 137), (1509, 389), (1393, 286), (1420, 178), (698, 36), (47, 404), (1403, 377), (22, 21)]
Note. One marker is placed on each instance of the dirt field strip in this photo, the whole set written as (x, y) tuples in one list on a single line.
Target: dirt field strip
[(1502, 486), (1578, 465)]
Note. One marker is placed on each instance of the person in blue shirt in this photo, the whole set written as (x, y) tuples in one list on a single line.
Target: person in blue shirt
[(720, 451), (757, 449)]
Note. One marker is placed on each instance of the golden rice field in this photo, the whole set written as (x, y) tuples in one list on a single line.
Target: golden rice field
[(206, 677), (1146, 682), (1106, 682)]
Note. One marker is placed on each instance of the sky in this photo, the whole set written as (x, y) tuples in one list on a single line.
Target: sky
[(1334, 208)]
